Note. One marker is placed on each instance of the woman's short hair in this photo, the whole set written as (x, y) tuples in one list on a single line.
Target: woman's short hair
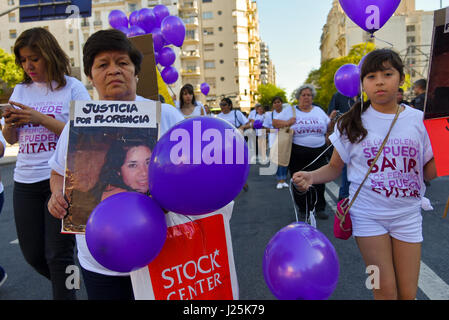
[(277, 98), (109, 40), (303, 87), (41, 41), (189, 89)]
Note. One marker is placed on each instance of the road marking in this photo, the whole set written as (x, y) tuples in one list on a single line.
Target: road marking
[(15, 241), (432, 285), (429, 282)]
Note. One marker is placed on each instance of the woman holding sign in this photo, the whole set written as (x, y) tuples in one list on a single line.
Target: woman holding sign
[(112, 63), (41, 110)]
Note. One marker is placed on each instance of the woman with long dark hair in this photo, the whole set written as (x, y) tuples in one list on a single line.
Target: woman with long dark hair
[(41, 110)]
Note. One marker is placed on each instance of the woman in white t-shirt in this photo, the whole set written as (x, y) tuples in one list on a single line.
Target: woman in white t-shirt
[(311, 126), (188, 105), (281, 173), (386, 214), (41, 109), (111, 62)]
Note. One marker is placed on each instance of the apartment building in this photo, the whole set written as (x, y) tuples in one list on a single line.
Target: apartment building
[(222, 49), (267, 69), (408, 32), (222, 44)]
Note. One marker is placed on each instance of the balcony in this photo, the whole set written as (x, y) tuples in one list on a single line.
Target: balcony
[(190, 6), (190, 54), (191, 72), (191, 22), (191, 39)]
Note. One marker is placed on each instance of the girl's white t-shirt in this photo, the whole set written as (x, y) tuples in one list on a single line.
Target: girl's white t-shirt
[(234, 117), (395, 185), (199, 108), (169, 117), (310, 128), (36, 143)]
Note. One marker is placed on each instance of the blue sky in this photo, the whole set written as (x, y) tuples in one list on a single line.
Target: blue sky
[(292, 30)]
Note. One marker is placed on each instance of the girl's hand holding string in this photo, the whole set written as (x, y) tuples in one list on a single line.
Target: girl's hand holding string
[(302, 180)]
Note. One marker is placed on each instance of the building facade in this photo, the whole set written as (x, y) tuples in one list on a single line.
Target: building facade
[(408, 32), (222, 44)]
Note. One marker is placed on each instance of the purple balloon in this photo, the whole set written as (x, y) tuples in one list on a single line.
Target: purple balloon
[(158, 39), (125, 30), (135, 31), (361, 62), (146, 20), (169, 75), (193, 159), (347, 80), (204, 88), (166, 56), (160, 12), (133, 18), (370, 15), (258, 124), (117, 18), (126, 231), (174, 30), (300, 263)]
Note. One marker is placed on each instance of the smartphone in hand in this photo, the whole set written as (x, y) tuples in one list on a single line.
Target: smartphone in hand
[(3, 107)]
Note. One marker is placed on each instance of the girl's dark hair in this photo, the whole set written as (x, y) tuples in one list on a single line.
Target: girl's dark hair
[(227, 101), (189, 89), (114, 159), (350, 123), (109, 40), (41, 41), (276, 98)]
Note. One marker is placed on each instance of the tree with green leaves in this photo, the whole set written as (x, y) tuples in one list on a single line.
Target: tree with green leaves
[(323, 78), (10, 73), (266, 92)]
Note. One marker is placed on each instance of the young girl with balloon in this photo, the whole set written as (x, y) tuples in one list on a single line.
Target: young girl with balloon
[(188, 105), (386, 215)]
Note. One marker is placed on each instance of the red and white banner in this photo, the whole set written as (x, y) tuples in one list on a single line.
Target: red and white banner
[(196, 262)]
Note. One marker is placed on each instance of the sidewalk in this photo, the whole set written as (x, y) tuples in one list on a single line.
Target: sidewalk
[(10, 154)]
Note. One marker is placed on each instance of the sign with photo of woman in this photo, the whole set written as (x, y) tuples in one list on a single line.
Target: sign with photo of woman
[(109, 150)]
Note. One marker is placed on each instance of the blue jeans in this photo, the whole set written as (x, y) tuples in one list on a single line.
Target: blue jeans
[(281, 173), (344, 185)]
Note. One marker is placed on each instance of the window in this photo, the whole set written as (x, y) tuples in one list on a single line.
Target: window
[(410, 39), (132, 7), (220, 28), (71, 46), (72, 62), (12, 34), (410, 28), (209, 47), (209, 64), (221, 61), (12, 17), (205, 1), (207, 15), (10, 2), (219, 12), (190, 34), (208, 31)]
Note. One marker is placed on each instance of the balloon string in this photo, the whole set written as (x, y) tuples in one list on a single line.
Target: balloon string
[(390, 44)]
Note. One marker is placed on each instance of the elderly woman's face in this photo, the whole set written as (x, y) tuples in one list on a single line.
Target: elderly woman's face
[(134, 170), (113, 75), (305, 97)]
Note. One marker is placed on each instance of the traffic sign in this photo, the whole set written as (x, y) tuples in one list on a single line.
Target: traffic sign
[(35, 10)]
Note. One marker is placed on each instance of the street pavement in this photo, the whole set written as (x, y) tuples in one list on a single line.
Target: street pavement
[(258, 214)]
